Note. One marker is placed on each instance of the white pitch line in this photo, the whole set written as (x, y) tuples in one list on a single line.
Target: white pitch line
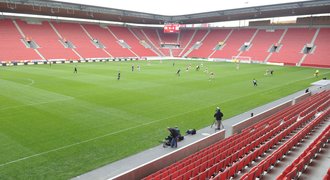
[(31, 83), (34, 104)]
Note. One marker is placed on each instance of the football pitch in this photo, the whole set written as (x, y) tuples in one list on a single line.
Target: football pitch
[(57, 124)]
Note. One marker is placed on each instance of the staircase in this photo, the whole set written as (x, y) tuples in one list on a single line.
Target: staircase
[(160, 53), (144, 43), (278, 42), (188, 43), (250, 41), (312, 42), (223, 41), (33, 45)]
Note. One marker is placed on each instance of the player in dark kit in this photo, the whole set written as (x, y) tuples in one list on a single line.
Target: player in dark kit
[(255, 82), (75, 70), (178, 72), (118, 76)]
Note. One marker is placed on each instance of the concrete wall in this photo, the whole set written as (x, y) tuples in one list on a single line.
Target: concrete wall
[(166, 160), (302, 97), (237, 128)]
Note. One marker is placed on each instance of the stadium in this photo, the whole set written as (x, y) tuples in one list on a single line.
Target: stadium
[(93, 90)]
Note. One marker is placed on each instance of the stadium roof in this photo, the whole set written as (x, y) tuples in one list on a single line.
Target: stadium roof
[(72, 10)]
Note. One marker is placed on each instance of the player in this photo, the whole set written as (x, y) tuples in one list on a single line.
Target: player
[(118, 76), (197, 68), (178, 72), (316, 74), (138, 68), (211, 76), (254, 81), (237, 64), (206, 70), (267, 72), (132, 67), (75, 70)]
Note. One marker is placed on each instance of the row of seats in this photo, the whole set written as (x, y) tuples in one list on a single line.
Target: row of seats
[(259, 170), (227, 157), (300, 164)]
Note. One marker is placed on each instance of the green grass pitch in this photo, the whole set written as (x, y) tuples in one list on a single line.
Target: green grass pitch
[(56, 124)]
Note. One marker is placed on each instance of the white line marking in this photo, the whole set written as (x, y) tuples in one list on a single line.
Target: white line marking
[(31, 82), (35, 104)]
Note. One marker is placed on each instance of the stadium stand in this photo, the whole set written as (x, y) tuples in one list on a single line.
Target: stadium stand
[(293, 43), (108, 40), (209, 44), (119, 41), (262, 43), (12, 43), (83, 44), (229, 157), (186, 37), (143, 40), (234, 43), (135, 46), (152, 37), (321, 53), (168, 38), (197, 37), (46, 38), (299, 165)]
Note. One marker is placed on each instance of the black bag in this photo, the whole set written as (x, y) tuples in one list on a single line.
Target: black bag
[(191, 131), (181, 138)]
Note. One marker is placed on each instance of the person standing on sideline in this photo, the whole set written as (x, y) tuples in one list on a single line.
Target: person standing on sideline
[(218, 117), (118, 76), (75, 70), (254, 82)]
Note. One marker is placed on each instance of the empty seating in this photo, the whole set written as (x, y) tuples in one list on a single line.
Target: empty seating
[(261, 44), (234, 43), (208, 45), (123, 33), (108, 40), (12, 47), (48, 41), (83, 44), (227, 157), (292, 45), (148, 41), (299, 164), (320, 56)]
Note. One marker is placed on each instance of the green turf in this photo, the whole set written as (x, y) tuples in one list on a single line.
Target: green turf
[(57, 125)]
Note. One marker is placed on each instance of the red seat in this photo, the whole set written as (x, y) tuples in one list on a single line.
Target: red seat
[(232, 170), (224, 175)]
